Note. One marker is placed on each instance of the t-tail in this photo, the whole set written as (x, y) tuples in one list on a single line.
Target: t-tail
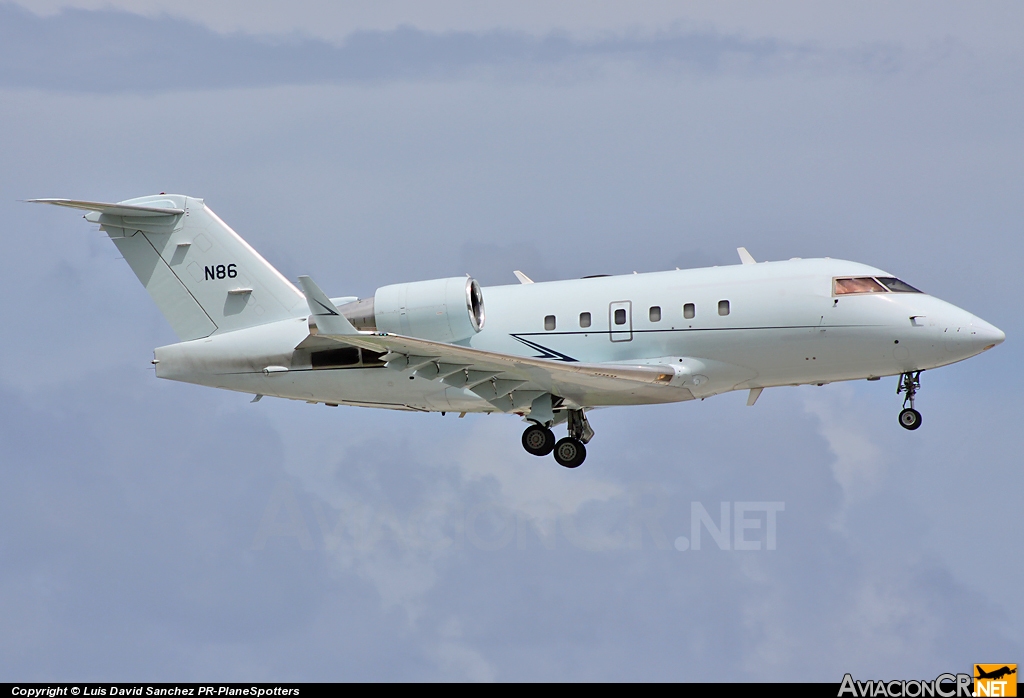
[(204, 277)]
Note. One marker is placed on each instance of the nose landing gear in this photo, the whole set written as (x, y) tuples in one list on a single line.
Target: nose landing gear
[(570, 452), (909, 384)]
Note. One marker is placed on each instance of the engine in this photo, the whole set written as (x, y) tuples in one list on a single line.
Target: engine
[(442, 310)]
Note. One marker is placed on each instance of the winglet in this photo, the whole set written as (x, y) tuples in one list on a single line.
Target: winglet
[(745, 256), (325, 313), (523, 278)]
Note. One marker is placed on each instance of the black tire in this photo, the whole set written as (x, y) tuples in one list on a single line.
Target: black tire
[(910, 419), (570, 453), (538, 440)]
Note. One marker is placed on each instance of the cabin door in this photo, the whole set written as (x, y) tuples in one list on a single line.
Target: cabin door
[(620, 321)]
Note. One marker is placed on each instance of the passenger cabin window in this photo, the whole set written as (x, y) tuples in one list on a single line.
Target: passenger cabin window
[(871, 284), (549, 322), (723, 307), (689, 310), (584, 319), (620, 316), (655, 313)]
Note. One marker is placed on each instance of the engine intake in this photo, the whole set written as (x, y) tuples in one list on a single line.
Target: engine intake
[(442, 310)]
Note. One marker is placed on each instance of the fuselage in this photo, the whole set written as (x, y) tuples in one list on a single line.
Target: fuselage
[(733, 327)]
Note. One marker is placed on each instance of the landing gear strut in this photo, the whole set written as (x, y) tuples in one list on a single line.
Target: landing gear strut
[(909, 384)]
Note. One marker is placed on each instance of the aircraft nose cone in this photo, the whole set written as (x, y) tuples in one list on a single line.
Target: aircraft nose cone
[(991, 336), (974, 337)]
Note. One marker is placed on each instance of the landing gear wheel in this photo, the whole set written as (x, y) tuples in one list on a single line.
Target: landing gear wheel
[(570, 453), (538, 440), (910, 419)]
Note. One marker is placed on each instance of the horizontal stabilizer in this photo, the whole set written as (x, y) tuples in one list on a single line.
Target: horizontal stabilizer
[(152, 208), (325, 313)]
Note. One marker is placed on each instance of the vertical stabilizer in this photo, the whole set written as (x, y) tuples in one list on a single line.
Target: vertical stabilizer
[(204, 277)]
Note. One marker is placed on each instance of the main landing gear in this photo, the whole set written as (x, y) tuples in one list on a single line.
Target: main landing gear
[(909, 384), (570, 452)]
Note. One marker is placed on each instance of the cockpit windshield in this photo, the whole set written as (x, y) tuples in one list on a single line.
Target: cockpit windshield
[(871, 284), (897, 286)]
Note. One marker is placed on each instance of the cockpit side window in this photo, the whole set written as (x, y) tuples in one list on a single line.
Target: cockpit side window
[(858, 284), (897, 286)]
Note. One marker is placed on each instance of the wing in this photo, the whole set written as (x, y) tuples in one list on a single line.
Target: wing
[(511, 382)]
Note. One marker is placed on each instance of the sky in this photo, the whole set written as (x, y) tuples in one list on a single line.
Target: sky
[(159, 531)]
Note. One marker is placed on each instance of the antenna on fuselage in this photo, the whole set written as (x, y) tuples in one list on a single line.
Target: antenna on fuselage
[(745, 256)]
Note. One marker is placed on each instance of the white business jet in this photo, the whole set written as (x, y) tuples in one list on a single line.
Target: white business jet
[(548, 352)]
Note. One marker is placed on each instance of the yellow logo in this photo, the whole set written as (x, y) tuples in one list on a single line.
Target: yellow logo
[(995, 680)]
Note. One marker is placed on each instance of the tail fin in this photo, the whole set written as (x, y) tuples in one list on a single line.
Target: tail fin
[(202, 275)]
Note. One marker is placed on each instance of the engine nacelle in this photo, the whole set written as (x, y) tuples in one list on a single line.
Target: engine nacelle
[(442, 310)]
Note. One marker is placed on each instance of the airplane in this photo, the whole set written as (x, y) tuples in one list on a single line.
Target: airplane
[(549, 352), (995, 674)]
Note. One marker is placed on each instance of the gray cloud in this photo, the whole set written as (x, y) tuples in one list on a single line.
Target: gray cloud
[(114, 51), (129, 507), (134, 547)]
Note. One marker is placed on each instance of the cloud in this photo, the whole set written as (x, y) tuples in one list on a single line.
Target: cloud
[(129, 507), (115, 51), (859, 463), (136, 536)]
